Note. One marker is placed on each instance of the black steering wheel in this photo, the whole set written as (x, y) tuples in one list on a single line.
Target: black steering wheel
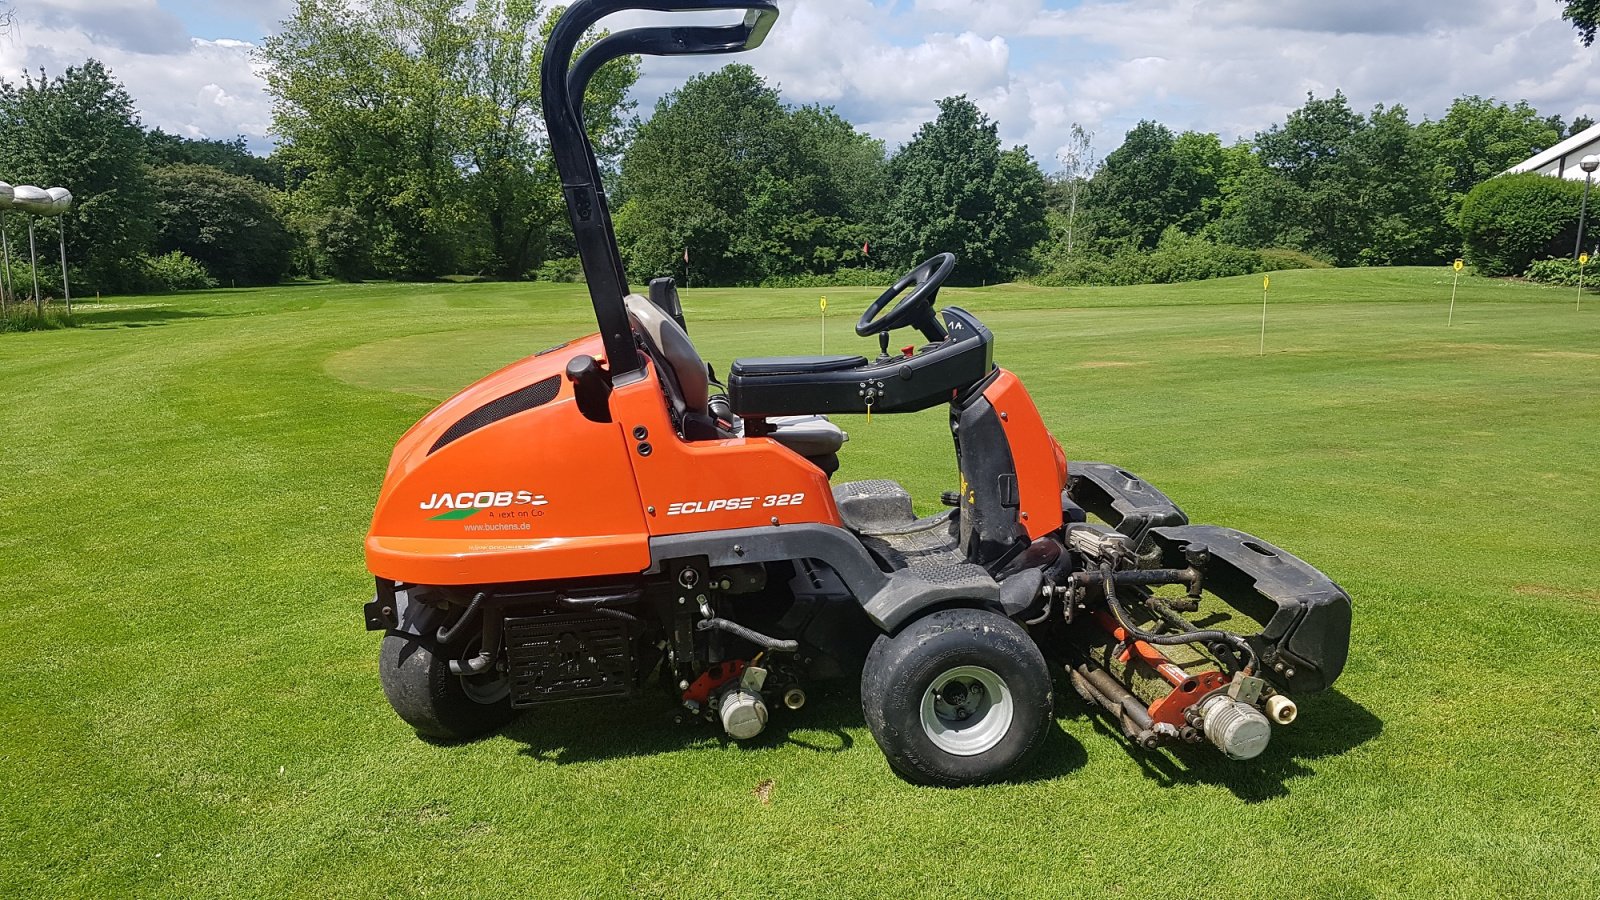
[(916, 308)]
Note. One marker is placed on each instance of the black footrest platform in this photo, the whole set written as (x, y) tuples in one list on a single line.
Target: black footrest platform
[(1304, 615), (568, 656)]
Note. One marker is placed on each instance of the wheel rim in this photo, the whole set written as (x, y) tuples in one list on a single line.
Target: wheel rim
[(486, 689), (967, 710)]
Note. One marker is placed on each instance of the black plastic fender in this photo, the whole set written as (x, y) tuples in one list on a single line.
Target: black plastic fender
[(1121, 499), (392, 609), (1305, 617)]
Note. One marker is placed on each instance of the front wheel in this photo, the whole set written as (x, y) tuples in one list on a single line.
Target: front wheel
[(958, 697), (436, 702)]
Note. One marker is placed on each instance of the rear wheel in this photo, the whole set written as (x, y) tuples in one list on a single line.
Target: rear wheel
[(435, 701), (958, 697)]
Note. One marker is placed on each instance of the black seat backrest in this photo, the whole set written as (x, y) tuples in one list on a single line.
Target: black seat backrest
[(664, 294)]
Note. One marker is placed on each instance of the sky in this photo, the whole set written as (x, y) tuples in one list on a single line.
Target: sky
[(1035, 66)]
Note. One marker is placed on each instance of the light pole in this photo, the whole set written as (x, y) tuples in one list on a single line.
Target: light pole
[(1588, 164)]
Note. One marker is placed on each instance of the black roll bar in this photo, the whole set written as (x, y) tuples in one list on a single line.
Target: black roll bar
[(562, 88)]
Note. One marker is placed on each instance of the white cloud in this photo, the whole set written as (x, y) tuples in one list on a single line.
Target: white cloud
[(185, 85)]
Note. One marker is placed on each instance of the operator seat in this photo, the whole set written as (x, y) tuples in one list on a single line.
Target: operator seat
[(689, 387)]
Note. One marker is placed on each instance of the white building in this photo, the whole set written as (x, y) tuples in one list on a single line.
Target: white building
[(1562, 159)]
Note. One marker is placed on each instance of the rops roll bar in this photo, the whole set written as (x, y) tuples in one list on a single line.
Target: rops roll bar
[(562, 88)]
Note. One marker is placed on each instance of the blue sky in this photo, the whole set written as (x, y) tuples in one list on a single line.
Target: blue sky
[(1036, 66)]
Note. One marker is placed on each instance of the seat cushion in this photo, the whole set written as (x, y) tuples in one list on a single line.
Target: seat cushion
[(795, 365)]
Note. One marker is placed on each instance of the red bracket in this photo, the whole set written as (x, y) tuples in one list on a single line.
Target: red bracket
[(712, 679)]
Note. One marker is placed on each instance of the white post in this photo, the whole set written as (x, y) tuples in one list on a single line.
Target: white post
[(5, 274), (66, 289), (33, 266), (1266, 282)]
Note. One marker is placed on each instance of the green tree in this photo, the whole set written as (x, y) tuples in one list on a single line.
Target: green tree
[(1584, 16), (1197, 179), (1477, 139), (417, 123), (164, 149), (512, 181), (1401, 222), (370, 101), (1154, 181), (954, 189), (79, 131), (227, 223), (1260, 207), (1131, 199), (752, 189), (1314, 151)]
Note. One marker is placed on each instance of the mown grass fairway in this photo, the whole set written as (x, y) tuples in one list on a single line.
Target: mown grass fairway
[(191, 706)]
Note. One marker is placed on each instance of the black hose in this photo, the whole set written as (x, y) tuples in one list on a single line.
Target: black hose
[(448, 636), (484, 659), (632, 621), (754, 637), (1190, 637), (599, 601)]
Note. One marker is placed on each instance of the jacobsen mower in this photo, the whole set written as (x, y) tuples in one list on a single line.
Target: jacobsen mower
[(595, 520)]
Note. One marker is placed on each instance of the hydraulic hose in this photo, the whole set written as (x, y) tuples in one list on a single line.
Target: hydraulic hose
[(1190, 637), (448, 636), (634, 625), (754, 637)]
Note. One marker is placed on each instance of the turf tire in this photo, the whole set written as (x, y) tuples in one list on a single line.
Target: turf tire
[(417, 680), (901, 668)]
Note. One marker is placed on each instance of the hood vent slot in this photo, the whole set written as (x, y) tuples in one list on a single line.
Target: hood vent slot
[(534, 395)]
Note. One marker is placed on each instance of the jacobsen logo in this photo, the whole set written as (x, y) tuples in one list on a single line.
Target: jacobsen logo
[(466, 504)]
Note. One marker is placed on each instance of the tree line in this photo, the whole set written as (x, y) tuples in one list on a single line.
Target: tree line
[(411, 146), (1342, 186)]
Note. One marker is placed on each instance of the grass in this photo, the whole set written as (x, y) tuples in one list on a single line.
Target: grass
[(22, 316), (191, 706)]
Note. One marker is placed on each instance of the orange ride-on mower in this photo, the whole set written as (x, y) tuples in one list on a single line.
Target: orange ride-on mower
[(594, 520)]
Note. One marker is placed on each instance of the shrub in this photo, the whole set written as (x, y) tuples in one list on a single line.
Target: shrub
[(23, 317), (1510, 221), (174, 271), (1561, 270), (49, 277), (566, 270), (1177, 257), (876, 278)]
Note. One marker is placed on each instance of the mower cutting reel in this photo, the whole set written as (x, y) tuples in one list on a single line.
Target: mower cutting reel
[(595, 521)]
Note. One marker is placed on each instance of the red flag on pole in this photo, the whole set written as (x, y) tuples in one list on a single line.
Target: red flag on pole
[(865, 249)]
